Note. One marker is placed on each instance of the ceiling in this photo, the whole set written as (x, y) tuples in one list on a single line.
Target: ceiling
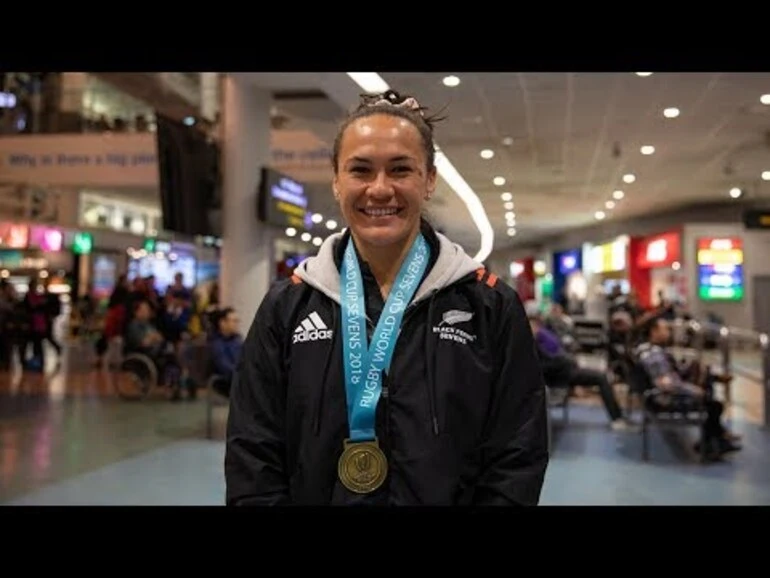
[(571, 139), (575, 135)]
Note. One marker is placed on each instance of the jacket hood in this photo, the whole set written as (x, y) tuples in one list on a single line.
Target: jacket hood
[(452, 264)]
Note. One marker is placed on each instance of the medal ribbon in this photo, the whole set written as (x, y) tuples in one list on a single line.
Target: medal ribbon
[(364, 364)]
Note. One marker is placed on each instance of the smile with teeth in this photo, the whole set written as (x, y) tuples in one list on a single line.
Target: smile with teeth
[(380, 211)]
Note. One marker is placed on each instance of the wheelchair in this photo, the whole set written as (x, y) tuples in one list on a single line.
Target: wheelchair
[(137, 374)]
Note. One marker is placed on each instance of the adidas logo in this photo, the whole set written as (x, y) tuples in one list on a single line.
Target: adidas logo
[(312, 328)]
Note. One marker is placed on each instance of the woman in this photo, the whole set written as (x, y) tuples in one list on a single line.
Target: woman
[(448, 409)]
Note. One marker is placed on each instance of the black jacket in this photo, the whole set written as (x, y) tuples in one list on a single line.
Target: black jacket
[(462, 417)]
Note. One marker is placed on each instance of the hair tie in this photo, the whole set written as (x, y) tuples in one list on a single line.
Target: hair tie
[(392, 98)]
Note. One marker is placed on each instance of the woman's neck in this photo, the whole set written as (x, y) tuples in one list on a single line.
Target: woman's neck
[(385, 261)]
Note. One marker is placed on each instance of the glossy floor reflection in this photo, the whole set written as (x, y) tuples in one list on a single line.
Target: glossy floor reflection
[(65, 438)]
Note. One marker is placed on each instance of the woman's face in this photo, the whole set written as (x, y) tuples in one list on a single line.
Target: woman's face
[(382, 180)]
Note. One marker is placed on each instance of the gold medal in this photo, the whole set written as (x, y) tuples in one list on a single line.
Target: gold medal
[(362, 467)]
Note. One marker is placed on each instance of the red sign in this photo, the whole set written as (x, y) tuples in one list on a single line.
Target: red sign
[(659, 251), (720, 243)]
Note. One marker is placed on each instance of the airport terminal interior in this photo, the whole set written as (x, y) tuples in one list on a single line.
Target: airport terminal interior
[(629, 212)]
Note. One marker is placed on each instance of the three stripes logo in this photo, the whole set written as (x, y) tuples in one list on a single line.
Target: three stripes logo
[(312, 328)]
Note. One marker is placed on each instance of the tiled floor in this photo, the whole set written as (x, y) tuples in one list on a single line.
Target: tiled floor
[(66, 439)]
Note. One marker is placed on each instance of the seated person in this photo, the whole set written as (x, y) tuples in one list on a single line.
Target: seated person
[(141, 334), (561, 369), (663, 374), (561, 324), (226, 344), (143, 337)]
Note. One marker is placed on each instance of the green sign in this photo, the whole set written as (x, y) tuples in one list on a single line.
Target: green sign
[(82, 243), (149, 245)]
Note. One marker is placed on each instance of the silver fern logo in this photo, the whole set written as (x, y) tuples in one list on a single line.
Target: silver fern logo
[(448, 332), (455, 316)]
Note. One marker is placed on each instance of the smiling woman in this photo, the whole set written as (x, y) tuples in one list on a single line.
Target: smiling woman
[(392, 369)]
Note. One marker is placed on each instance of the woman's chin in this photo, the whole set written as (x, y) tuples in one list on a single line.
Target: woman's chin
[(381, 234)]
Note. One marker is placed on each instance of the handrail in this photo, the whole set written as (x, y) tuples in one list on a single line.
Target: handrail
[(726, 338)]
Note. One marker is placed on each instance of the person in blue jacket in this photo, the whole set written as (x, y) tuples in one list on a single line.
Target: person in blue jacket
[(226, 344)]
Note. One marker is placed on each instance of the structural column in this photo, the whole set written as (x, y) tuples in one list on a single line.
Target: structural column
[(247, 245), (209, 82)]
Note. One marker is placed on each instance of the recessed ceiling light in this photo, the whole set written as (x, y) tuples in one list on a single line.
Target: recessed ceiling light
[(451, 81), (599, 215), (511, 231), (765, 99), (510, 215), (506, 196), (671, 112), (610, 204), (644, 73), (507, 141), (617, 195), (647, 149), (499, 181), (766, 175), (508, 206), (487, 154), (735, 192), (629, 178)]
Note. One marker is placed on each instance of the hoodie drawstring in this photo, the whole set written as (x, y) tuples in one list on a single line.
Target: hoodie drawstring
[(324, 376), (430, 360)]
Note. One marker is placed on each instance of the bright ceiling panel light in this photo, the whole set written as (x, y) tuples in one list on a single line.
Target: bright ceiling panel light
[(506, 196), (373, 82), (499, 181), (451, 81), (507, 141), (487, 154), (765, 99), (599, 215), (629, 178), (671, 112), (644, 73), (509, 205), (511, 231), (766, 175), (369, 81), (736, 193), (647, 150), (609, 205), (617, 195)]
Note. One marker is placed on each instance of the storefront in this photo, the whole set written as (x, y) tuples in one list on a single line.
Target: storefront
[(163, 260), (29, 252), (655, 268), (523, 278), (569, 281), (605, 267)]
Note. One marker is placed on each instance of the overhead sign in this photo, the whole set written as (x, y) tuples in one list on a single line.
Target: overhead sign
[(98, 160), (756, 219), (130, 160), (282, 201)]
